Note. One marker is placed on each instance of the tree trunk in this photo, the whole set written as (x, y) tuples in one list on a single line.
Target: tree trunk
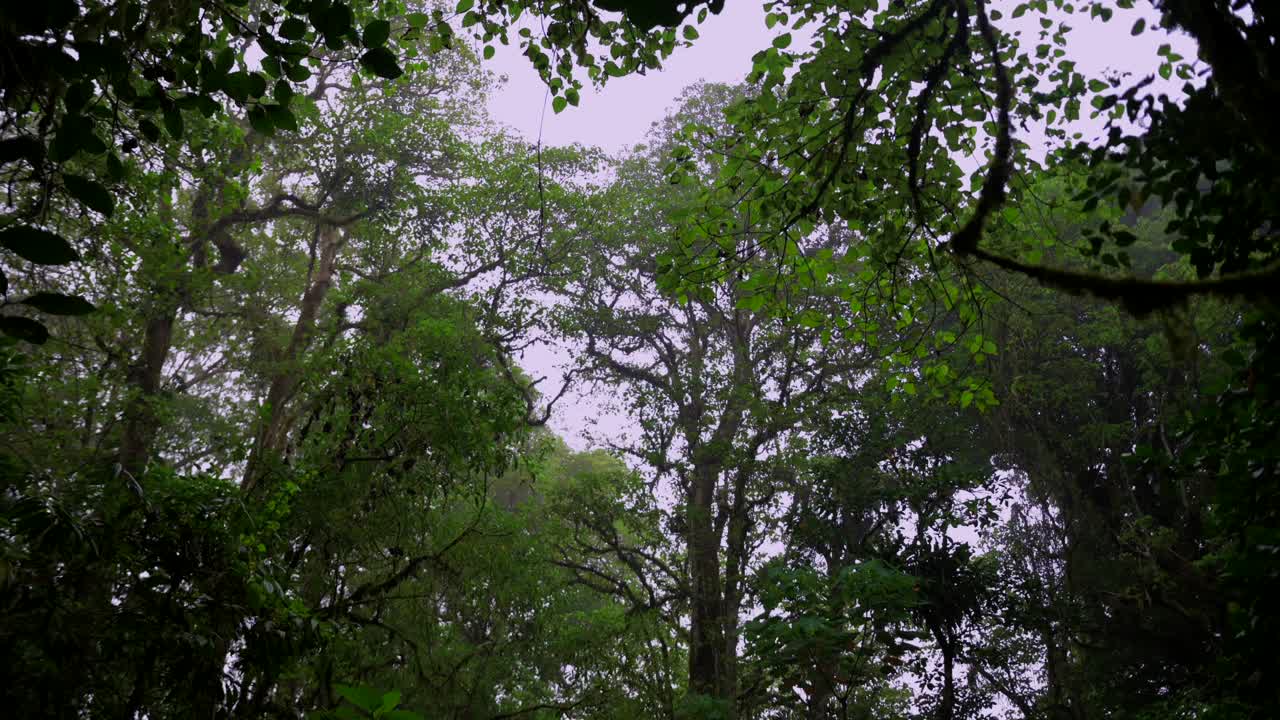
[(145, 375), (706, 619), (284, 383)]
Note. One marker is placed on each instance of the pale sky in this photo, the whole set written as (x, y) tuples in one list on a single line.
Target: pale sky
[(619, 116)]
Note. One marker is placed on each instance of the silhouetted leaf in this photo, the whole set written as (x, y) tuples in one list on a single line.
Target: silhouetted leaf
[(260, 121), (89, 192), (22, 147), (59, 304), (281, 117), (376, 33), (23, 328), (39, 246), (293, 29), (382, 63), (149, 130), (173, 122)]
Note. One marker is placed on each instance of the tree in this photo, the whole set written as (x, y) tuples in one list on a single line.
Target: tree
[(716, 387), (287, 351)]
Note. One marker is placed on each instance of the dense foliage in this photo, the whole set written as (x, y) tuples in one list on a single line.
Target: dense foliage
[(899, 437)]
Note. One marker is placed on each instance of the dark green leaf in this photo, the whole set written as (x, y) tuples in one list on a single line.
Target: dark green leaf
[(59, 304), (173, 122), (382, 63), (115, 168), (260, 121), (297, 72), (75, 134), (362, 697), (293, 29), (558, 104), (149, 130), (208, 106), (24, 329), (90, 192), (376, 33), (78, 95), (22, 147), (224, 60), (281, 117), (282, 92), (238, 86), (39, 246), (257, 85)]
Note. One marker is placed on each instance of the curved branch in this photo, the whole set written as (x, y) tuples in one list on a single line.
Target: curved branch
[(920, 123), (993, 187), (1141, 296)]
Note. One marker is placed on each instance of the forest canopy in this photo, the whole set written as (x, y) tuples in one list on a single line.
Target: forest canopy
[(946, 370)]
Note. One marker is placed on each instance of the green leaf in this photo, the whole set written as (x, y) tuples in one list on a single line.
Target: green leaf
[(282, 92), (89, 192), (38, 246), (238, 85), (783, 41), (690, 32), (390, 700), (488, 52), (24, 329), (281, 117), (59, 304), (1124, 238), (257, 84), (1138, 27), (115, 168), (293, 29), (464, 5), (297, 72), (208, 106), (362, 697), (24, 147), (173, 122), (558, 104), (76, 134), (376, 33), (381, 62), (260, 121)]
